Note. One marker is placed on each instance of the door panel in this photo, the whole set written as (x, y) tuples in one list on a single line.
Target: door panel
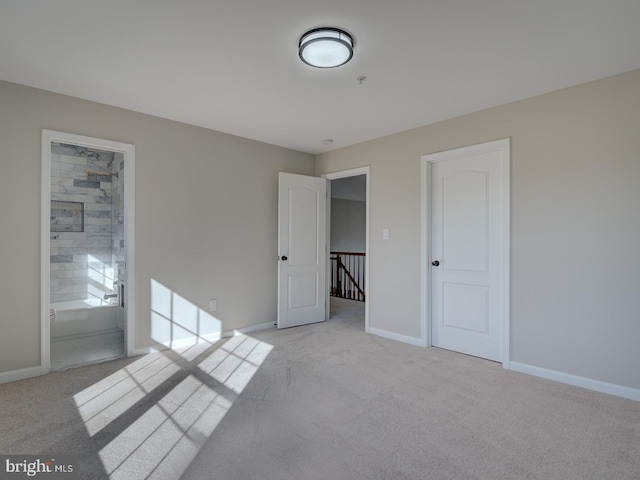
[(464, 213), (303, 203), (466, 307), (468, 242), (302, 209)]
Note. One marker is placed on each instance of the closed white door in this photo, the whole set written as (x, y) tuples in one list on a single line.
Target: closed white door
[(302, 223), (468, 250)]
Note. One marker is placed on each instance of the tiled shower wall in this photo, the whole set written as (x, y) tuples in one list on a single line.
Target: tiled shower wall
[(81, 262)]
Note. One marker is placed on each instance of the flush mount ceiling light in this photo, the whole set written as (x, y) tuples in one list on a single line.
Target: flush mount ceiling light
[(325, 47)]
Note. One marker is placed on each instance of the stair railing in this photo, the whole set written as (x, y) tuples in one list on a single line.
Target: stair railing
[(347, 275)]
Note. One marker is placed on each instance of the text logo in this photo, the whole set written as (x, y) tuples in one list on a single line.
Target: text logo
[(59, 467)]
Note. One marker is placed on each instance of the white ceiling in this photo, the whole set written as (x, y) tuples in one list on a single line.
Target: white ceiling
[(233, 66)]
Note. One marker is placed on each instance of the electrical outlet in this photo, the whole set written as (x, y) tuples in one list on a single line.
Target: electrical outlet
[(213, 305), (385, 234)]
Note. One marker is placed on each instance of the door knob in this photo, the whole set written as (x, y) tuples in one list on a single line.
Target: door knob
[(283, 258), (435, 263)]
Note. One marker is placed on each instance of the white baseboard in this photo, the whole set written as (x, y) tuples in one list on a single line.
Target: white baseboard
[(23, 373), (576, 381), (253, 328), (211, 338), (396, 336), (13, 375), (145, 350)]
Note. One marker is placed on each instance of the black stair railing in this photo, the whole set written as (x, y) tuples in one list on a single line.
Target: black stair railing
[(347, 275)]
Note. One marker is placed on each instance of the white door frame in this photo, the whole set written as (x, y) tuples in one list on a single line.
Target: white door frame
[(503, 146), (128, 151), (335, 176)]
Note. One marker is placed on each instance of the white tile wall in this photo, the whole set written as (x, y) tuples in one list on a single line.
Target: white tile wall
[(80, 278)]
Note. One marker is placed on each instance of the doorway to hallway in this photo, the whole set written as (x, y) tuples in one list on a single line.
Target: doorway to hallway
[(348, 246)]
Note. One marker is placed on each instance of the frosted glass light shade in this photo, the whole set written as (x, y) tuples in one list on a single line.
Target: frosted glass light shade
[(325, 47)]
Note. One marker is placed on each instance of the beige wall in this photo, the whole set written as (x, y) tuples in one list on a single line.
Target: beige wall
[(348, 225), (206, 213), (575, 224)]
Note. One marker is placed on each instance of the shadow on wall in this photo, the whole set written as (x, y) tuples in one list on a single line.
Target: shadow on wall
[(151, 418)]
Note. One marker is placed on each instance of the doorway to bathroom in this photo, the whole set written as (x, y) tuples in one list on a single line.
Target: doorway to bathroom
[(87, 247)]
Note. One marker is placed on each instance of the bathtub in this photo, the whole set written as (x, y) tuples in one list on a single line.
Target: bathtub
[(83, 317)]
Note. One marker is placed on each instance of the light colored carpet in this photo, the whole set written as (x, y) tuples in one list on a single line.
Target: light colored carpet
[(328, 402)]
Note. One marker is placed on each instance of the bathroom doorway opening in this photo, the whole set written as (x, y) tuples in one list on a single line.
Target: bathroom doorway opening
[(87, 250)]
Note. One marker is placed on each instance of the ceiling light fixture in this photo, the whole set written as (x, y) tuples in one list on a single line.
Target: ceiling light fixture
[(326, 47)]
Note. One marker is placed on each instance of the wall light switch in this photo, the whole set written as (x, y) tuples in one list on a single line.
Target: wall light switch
[(385, 234), (213, 305)]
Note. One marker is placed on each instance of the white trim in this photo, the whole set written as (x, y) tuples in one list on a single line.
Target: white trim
[(252, 329), (425, 232), (353, 172), (187, 342), (506, 250), (576, 381), (45, 252), (144, 351), (327, 252), (212, 338), (130, 245), (502, 145), (128, 152), (396, 336), (23, 373)]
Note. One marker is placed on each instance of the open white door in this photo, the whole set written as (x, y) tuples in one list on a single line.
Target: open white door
[(302, 213)]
